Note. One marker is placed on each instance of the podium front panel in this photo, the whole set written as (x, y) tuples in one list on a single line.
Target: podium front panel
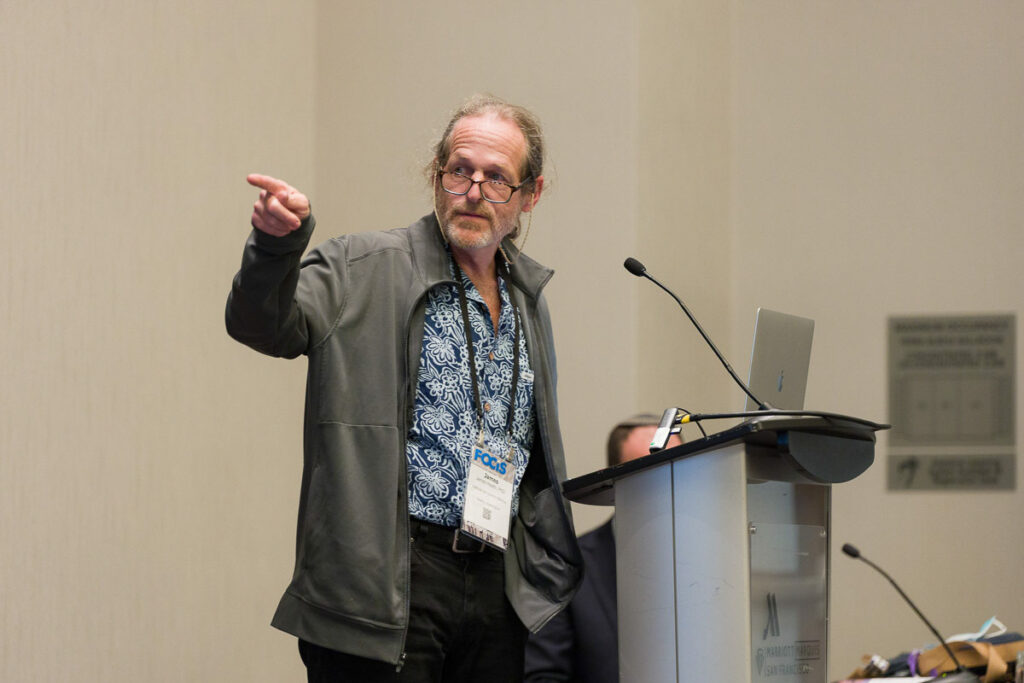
[(683, 571), (788, 581)]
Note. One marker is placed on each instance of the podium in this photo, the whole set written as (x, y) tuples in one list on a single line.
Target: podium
[(722, 555)]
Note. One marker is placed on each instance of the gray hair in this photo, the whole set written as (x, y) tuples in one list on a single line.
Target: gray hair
[(527, 122)]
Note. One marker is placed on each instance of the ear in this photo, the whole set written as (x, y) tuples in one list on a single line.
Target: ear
[(538, 186)]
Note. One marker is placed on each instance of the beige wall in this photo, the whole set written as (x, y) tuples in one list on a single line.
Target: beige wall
[(149, 465), (683, 232), (146, 517)]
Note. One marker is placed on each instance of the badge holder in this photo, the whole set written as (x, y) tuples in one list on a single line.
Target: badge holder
[(490, 485)]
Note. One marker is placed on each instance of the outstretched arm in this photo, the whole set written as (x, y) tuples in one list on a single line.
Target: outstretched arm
[(262, 310)]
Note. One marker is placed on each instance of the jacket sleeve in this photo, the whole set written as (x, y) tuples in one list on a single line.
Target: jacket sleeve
[(281, 304)]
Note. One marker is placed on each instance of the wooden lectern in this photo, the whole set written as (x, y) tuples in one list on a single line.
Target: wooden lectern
[(722, 550)]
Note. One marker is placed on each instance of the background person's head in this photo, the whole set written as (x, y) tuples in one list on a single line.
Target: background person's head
[(631, 438)]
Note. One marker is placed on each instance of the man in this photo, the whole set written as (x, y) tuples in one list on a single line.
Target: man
[(431, 531), (581, 644)]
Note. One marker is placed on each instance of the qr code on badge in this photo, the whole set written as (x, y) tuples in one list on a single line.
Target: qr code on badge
[(487, 513)]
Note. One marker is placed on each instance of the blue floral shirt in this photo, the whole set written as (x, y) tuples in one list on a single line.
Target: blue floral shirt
[(445, 426)]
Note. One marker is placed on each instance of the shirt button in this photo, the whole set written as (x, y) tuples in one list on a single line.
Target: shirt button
[(491, 355), (487, 406)]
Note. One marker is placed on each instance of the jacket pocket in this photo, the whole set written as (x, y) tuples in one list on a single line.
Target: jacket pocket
[(352, 560), (551, 557)]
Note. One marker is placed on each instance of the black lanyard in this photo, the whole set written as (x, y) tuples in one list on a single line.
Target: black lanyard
[(472, 357)]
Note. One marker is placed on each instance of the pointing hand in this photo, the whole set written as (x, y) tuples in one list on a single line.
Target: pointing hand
[(280, 208)]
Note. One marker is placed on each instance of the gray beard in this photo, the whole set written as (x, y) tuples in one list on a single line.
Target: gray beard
[(477, 240)]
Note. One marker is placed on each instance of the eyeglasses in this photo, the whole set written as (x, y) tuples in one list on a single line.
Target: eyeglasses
[(493, 191)]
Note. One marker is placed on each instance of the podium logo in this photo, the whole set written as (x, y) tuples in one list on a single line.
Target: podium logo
[(772, 627)]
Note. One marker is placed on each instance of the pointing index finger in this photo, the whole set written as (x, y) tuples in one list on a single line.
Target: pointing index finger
[(268, 183)]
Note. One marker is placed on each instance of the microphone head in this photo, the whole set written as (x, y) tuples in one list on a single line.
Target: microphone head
[(635, 267), (851, 550)]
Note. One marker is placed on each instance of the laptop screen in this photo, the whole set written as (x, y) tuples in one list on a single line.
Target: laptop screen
[(780, 359)]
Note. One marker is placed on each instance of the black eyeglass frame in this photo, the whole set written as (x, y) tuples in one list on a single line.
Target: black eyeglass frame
[(515, 188)]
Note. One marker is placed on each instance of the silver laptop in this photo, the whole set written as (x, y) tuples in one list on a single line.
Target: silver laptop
[(780, 359)]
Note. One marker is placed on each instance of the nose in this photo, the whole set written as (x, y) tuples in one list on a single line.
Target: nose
[(475, 194)]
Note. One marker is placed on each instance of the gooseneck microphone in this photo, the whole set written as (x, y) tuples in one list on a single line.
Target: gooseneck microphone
[(962, 675), (638, 269)]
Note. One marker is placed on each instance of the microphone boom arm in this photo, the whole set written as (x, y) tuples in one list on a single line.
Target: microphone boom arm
[(853, 552), (638, 269)]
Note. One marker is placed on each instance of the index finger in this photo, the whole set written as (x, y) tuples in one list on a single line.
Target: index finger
[(268, 183)]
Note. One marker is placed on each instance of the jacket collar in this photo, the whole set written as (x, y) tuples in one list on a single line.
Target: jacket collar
[(431, 258)]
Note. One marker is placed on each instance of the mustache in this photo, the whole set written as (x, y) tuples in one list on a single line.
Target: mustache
[(481, 211)]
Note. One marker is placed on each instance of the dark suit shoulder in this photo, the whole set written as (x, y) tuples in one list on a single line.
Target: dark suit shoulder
[(599, 538)]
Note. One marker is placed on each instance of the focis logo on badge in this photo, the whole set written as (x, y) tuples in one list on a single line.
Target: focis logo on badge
[(490, 461)]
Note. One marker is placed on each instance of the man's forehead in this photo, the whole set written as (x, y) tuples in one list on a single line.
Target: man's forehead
[(490, 135), (640, 431), (639, 439)]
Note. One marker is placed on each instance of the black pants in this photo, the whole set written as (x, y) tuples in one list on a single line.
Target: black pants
[(461, 626)]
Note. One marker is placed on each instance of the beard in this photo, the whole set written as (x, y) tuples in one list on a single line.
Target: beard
[(465, 232)]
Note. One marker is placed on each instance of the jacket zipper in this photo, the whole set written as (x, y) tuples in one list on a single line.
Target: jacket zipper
[(406, 407)]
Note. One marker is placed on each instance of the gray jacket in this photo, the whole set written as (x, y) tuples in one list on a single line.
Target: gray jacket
[(355, 306)]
